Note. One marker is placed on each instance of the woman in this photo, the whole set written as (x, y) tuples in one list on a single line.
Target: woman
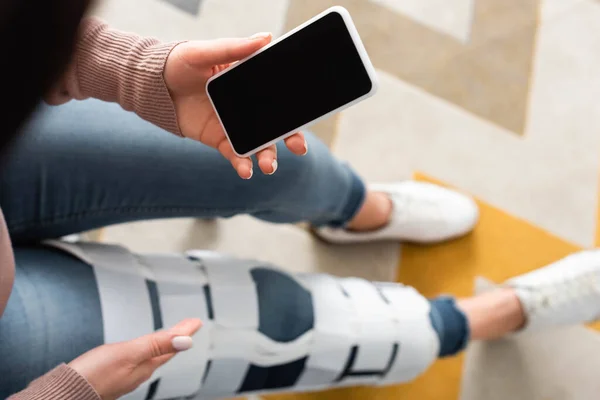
[(87, 164)]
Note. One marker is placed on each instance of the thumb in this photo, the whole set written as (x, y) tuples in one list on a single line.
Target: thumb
[(162, 343), (224, 51)]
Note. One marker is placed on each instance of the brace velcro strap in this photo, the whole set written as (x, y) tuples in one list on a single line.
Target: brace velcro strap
[(334, 332), (180, 288), (376, 332), (142, 294), (419, 343), (235, 314), (233, 292), (127, 310)]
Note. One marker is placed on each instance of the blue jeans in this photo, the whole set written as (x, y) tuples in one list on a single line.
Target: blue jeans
[(89, 164)]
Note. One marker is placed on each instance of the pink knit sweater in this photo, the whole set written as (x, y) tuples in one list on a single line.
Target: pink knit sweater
[(113, 66)]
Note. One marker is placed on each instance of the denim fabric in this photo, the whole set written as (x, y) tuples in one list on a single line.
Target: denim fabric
[(89, 164), (451, 325)]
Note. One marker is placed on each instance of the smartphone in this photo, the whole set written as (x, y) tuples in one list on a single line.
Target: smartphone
[(315, 70)]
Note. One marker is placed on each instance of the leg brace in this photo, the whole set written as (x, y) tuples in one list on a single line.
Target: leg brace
[(264, 330)]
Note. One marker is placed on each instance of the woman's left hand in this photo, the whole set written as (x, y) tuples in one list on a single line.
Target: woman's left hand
[(116, 369), (187, 70)]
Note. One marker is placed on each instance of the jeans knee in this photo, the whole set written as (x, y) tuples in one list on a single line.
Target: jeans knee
[(306, 165), (305, 173), (316, 187), (285, 306)]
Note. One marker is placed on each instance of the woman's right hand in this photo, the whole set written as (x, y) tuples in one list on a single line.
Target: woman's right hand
[(116, 369), (189, 66)]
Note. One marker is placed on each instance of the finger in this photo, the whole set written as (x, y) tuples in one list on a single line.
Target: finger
[(147, 368), (223, 51), (297, 144), (186, 327), (243, 166), (267, 160), (219, 68), (161, 343)]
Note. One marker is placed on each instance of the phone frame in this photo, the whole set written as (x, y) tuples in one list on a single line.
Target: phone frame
[(361, 51)]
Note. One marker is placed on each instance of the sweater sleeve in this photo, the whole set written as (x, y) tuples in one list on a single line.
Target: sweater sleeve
[(119, 67), (62, 383)]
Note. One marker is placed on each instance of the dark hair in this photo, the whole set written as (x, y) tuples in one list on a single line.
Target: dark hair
[(38, 38)]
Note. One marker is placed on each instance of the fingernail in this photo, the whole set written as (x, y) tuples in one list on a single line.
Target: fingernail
[(251, 173), (261, 35), (274, 165), (182, 343), (305, 148)]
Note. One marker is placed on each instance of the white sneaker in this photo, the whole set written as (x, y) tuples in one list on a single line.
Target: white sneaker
[(566, 292), (423, 213)]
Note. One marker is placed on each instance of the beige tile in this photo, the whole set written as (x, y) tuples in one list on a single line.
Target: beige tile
[(489, 76), (492, 80), (326, 130), (217, 18), (555, 8), (395, 43), (96, 235), (561, 364), (453, 18), (494, 19), (548, 178), (289, 247)]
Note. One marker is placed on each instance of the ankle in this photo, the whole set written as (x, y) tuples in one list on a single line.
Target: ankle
[(494, 314), (374, 214)]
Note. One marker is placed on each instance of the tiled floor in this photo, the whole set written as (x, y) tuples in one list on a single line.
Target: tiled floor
[(500, 98)]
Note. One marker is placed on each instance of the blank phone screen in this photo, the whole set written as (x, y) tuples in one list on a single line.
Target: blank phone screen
[(305, 76)]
